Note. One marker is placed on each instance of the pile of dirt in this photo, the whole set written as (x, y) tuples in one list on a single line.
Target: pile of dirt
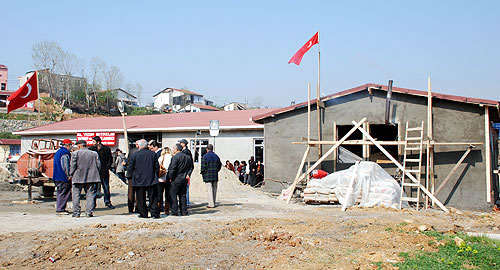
[(229, 186), (117, 185)]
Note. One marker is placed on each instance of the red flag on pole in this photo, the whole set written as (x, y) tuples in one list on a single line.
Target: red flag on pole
[(297, 57), (23, 95)]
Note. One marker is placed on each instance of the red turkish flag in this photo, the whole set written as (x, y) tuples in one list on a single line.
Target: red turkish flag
[(297, 57), (23, 95)]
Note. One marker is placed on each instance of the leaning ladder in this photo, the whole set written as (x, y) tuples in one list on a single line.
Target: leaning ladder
[(412, 143)]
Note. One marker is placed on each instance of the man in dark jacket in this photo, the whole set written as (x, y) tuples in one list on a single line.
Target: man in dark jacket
[(178, 171), (185, 150), (142, 168), (210, 167), (106, 159), (61, 176)]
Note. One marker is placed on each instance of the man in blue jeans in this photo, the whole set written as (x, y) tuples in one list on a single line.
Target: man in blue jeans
[(106, 159), (61, 176)]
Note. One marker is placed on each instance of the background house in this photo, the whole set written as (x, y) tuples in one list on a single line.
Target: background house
[(235, 106), (3, 98), (455, 119), (198, 108), (4, 72), (9, 147), (57, 85), (176, 99), (124, 96)]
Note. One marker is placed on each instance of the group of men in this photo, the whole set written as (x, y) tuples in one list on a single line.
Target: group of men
[(86, 167), (83, 169)]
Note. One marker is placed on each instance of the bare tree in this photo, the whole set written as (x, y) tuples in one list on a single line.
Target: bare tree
[(96, 67), (69, 64), (257, 101), (113, 77), (138, 89), (46, 56)]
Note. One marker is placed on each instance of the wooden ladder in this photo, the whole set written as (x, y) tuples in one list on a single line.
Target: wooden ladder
[(414, 142)]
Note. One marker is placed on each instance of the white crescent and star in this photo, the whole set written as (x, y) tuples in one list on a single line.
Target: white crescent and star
[(310, 43), (29, 91)]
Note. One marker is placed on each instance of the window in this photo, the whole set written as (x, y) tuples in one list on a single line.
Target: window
[(201, 148), (3, 86), (379, 133), (15, 149), (258, 149)]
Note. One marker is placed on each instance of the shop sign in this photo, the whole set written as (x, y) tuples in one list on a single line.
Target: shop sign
[(107, 138)]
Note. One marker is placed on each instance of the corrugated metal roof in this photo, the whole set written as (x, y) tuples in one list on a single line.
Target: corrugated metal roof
[(152, 123)]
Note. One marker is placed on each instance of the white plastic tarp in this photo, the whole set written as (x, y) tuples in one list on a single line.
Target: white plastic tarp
[(368, 178)]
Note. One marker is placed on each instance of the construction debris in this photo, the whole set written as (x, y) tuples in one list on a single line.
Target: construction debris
[(365, 180)]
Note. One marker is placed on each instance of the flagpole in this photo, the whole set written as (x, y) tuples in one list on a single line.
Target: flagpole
[(38, 94), (317, 101)]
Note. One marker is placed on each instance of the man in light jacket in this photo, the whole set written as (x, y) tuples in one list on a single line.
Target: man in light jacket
[(84, 172), (210, 167)]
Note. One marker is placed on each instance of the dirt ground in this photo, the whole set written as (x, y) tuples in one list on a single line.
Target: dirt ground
[(250, 231)]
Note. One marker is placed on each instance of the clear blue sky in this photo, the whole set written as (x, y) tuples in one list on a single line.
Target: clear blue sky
[(237, 50)]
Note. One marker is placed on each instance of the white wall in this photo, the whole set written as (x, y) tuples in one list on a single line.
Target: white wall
[(162, 99), (229, 145)]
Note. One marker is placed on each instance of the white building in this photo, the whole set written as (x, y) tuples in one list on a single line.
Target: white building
[(235, 106), (239, 137), (198, 108), (175, 99), (125, 96)]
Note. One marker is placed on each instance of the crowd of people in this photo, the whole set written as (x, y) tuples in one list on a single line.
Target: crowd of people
[(157, 178), (251, 173)]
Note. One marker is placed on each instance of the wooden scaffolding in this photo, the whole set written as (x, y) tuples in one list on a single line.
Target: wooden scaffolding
[(427, 143)]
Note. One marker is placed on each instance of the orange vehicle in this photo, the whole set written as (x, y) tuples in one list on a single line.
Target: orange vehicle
[(36, 165)]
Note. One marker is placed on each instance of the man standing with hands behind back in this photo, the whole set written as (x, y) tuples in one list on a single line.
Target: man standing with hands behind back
[(210, 167), (84, 172), (106, 159), (188, 153), (178, 171)]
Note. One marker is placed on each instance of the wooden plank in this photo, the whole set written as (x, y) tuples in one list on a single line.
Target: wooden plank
[(429, 180), (361, 142), (299, 170), (363, 147), (488, 152), (448, 177), (319, 120), (308, 112), (336, 152), (382, 149), (296, 181)]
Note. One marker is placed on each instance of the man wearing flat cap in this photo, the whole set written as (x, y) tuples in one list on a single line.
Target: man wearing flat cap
[(84, 173), (106, 159), (61, 176)]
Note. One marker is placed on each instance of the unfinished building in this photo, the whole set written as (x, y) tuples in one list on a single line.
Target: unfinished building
[(464, 147)]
